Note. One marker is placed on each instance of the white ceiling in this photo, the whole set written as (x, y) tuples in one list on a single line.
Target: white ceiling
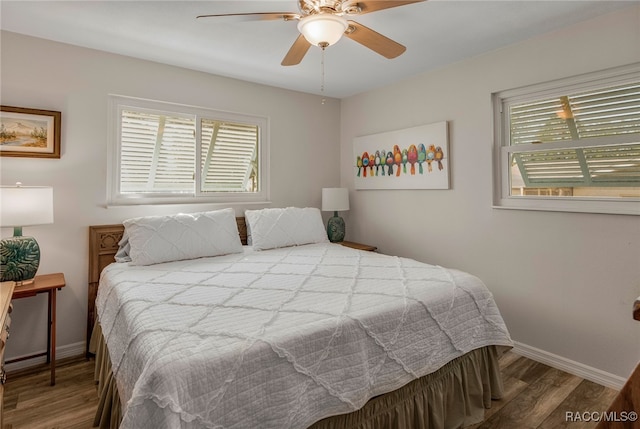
[(435, 32)]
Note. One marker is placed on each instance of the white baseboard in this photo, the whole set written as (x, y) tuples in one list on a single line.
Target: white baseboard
[(70, 350), (570, 366)]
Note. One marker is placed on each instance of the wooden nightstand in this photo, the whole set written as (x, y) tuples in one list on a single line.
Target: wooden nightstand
[(48, 283), (359, 246)]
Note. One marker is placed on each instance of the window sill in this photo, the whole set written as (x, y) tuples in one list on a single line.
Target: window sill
[(193, 203), (580, 206)]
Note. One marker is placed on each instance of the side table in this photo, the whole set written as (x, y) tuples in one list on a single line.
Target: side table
[(47, 283)]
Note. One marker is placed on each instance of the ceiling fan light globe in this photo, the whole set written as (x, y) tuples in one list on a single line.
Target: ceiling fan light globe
[(322, 29)]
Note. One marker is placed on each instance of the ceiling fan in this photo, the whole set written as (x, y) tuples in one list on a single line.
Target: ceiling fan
[(323, 22)]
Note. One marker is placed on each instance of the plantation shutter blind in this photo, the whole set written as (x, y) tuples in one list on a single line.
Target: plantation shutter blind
[(166, 153), (593, 120), (617, 165), (229, 153), (157, 153)]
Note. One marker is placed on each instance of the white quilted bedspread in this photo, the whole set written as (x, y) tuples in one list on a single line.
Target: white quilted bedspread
[(285, 337)]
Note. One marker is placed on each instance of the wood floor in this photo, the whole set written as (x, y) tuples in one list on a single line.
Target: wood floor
[(536, 396), (31, 402)]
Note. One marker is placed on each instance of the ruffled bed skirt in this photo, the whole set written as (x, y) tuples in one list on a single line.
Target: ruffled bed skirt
[(108, 414), (455, 396)]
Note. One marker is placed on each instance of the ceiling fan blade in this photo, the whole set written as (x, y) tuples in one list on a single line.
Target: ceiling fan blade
[(368, 6), (260, 16), (374, 40), (297, 51)]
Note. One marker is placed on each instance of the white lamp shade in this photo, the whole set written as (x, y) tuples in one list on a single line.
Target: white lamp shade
[(26, 205), (322, 29), (335, 199)]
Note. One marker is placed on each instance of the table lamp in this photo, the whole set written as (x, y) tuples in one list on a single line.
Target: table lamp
[(22, 206), (335, 200)]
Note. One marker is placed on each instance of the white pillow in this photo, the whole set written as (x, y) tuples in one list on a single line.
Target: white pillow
[(249, 239), (291, 226), (156, 239), (122, 255)]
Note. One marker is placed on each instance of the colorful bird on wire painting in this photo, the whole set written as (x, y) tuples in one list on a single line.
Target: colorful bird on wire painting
[(376, 161)]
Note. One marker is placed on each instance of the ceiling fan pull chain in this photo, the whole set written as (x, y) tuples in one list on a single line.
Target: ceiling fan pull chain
[(322, 76)]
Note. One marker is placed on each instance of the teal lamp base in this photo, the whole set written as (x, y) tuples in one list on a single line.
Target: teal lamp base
[(19, 259), (335, 228)]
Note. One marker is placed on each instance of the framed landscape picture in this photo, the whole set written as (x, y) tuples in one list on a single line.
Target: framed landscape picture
[(29, 132)]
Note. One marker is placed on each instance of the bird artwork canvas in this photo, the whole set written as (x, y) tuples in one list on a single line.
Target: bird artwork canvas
[(411, 158)]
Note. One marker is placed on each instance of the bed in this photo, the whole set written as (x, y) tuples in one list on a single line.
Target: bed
[(287, 333)]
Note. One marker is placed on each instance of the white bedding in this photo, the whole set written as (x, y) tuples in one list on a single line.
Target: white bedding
[(284, 337)]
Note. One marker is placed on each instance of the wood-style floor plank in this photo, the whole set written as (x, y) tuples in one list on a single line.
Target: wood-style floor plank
[(588, 396), (539, 397), (536, 396), (30, 402), (535, 403)]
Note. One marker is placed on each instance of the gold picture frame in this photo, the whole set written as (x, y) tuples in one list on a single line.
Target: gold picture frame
[(31, 133)]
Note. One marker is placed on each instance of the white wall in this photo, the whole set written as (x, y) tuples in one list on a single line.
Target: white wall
[(76, 81), (564, 282)]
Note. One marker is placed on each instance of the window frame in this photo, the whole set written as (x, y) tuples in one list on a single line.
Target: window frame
[(118, 103), (502, 150)]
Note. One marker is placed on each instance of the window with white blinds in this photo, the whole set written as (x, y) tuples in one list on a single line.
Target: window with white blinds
[(572, 145), (228, 155), (163, 152)]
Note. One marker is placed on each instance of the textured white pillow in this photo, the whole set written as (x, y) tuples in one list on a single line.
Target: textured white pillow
[(156, 239), (291, 226), (122, 255)]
